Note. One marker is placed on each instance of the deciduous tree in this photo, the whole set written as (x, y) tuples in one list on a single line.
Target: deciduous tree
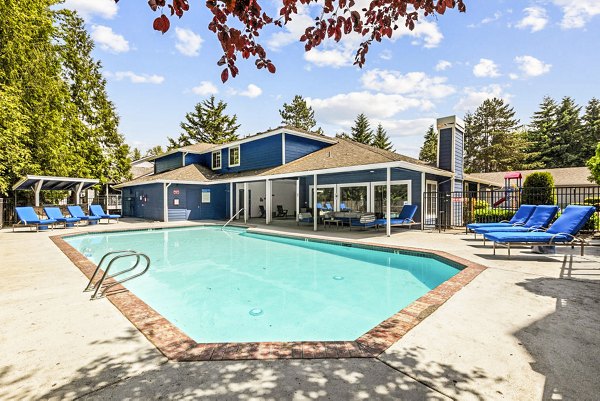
[(594, 166), (333, 20)]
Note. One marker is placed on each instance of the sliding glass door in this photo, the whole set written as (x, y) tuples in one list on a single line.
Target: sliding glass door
[(399, 195), (354, 198)]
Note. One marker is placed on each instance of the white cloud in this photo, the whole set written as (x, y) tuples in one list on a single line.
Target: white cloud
[(293, 30), (426, 32), (205, 88), (486, 68), (577, 13), (138, 78), (109, 40), (91, 8), (251, 91), (188, 42), (531, 66), (386, 54), (535, 18), (342, 108), (473, 97), (412, 84), (443, 65), (335, 58), (497, 15)]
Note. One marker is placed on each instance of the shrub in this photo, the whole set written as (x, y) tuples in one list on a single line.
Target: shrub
[(492, 215), (593, 202), (538, 189), (481, 204)]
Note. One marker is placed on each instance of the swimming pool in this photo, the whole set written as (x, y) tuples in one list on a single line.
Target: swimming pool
[(240, 286)]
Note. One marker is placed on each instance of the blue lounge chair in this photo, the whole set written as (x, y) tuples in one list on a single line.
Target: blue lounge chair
[(28, 218), (77, 211), (96, 210), (405, 218), (54, 213), (365, 221), (328, 206), (305, 218), (562, 232), (538, 221), (344, 208), (518, 219)]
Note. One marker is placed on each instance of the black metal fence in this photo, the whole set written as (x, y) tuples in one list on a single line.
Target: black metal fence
[(444, 210), (7, 211)]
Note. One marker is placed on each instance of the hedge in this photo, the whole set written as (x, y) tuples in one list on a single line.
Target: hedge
[(492, 215)]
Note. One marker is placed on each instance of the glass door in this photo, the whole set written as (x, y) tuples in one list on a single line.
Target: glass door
[(398, 197)]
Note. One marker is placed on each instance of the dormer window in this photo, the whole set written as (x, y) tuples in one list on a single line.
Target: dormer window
[(234, 156), (216, 160)]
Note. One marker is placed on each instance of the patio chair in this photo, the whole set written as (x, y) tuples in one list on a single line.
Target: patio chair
[(404, 219), (365, 221), (96, 210), (306, 218), (28, 218), (538, 221), (328, 207), (262, 211), (77, 211), (518, 219), (562, 232), (344, 208), (54, 213), (281, 212)]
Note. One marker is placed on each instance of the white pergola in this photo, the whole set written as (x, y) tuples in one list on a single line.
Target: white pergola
[(37, 183)]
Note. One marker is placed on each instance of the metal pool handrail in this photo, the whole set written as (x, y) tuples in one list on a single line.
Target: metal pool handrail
[(231, 219)]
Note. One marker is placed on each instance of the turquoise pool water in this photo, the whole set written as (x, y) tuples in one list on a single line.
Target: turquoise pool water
[(238, 286)]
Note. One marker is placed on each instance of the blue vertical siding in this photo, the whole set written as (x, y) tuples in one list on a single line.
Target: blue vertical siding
[(190, 202), (445, 150), (169, 162), (150, 206), (261, 153), (297, 146), (193, 158)]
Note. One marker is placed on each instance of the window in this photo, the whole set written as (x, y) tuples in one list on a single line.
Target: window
[(398, 196), (216, 160), (234, 156), (354, 198)]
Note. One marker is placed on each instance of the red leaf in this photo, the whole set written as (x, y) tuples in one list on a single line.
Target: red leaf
[(271, 68), (166, 24), (157, 25), (224, 75)]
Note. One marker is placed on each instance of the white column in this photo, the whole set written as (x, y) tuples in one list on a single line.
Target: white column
[(314, 203), (423, 190), (283, 148), (297, 198), (166, 202), (78, 189), (388, 206), (268, 200), (246, 211), (37, 188), (231, 212)]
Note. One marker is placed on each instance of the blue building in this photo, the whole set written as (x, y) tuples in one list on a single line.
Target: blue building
[(286, 171)]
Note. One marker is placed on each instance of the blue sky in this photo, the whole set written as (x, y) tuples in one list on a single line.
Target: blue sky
[(517, 50)]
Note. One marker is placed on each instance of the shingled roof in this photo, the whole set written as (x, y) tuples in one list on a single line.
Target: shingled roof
[(563, 177)]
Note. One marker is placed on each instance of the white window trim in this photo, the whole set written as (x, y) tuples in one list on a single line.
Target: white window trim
[(239, 155), (408, 183), (355, 184), (335, 193), (212, 163)]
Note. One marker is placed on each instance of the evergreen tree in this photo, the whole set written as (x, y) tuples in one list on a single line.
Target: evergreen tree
[(594, 165), (591, 128), (155, 151), (135, 154), (494, 140), (361, 131), (567, 148), (208, 123), (342, 135), (298, 114), (381, 139), (428, 152), (14, 147), (542, 133), (98, 149)]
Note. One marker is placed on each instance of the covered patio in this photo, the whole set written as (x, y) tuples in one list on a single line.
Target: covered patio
[(39, 183)]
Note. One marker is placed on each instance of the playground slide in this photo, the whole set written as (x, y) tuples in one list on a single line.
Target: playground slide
[(499, 201)]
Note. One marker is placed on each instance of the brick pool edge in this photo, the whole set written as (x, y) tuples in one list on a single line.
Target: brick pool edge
[(177, 346)]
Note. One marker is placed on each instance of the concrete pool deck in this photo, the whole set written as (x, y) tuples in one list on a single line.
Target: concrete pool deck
[(524, 329)]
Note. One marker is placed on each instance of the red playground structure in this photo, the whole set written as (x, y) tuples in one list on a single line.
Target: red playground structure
[(510, 189)]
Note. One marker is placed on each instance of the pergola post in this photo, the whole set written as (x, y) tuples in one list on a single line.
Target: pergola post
[(37, 188), (388, 206), (268, 200), (166, 202), (246, 202), (314, 203), (297, 198), (78, 189)]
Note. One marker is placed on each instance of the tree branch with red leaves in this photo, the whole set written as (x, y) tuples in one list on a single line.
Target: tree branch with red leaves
[(337, 19)]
